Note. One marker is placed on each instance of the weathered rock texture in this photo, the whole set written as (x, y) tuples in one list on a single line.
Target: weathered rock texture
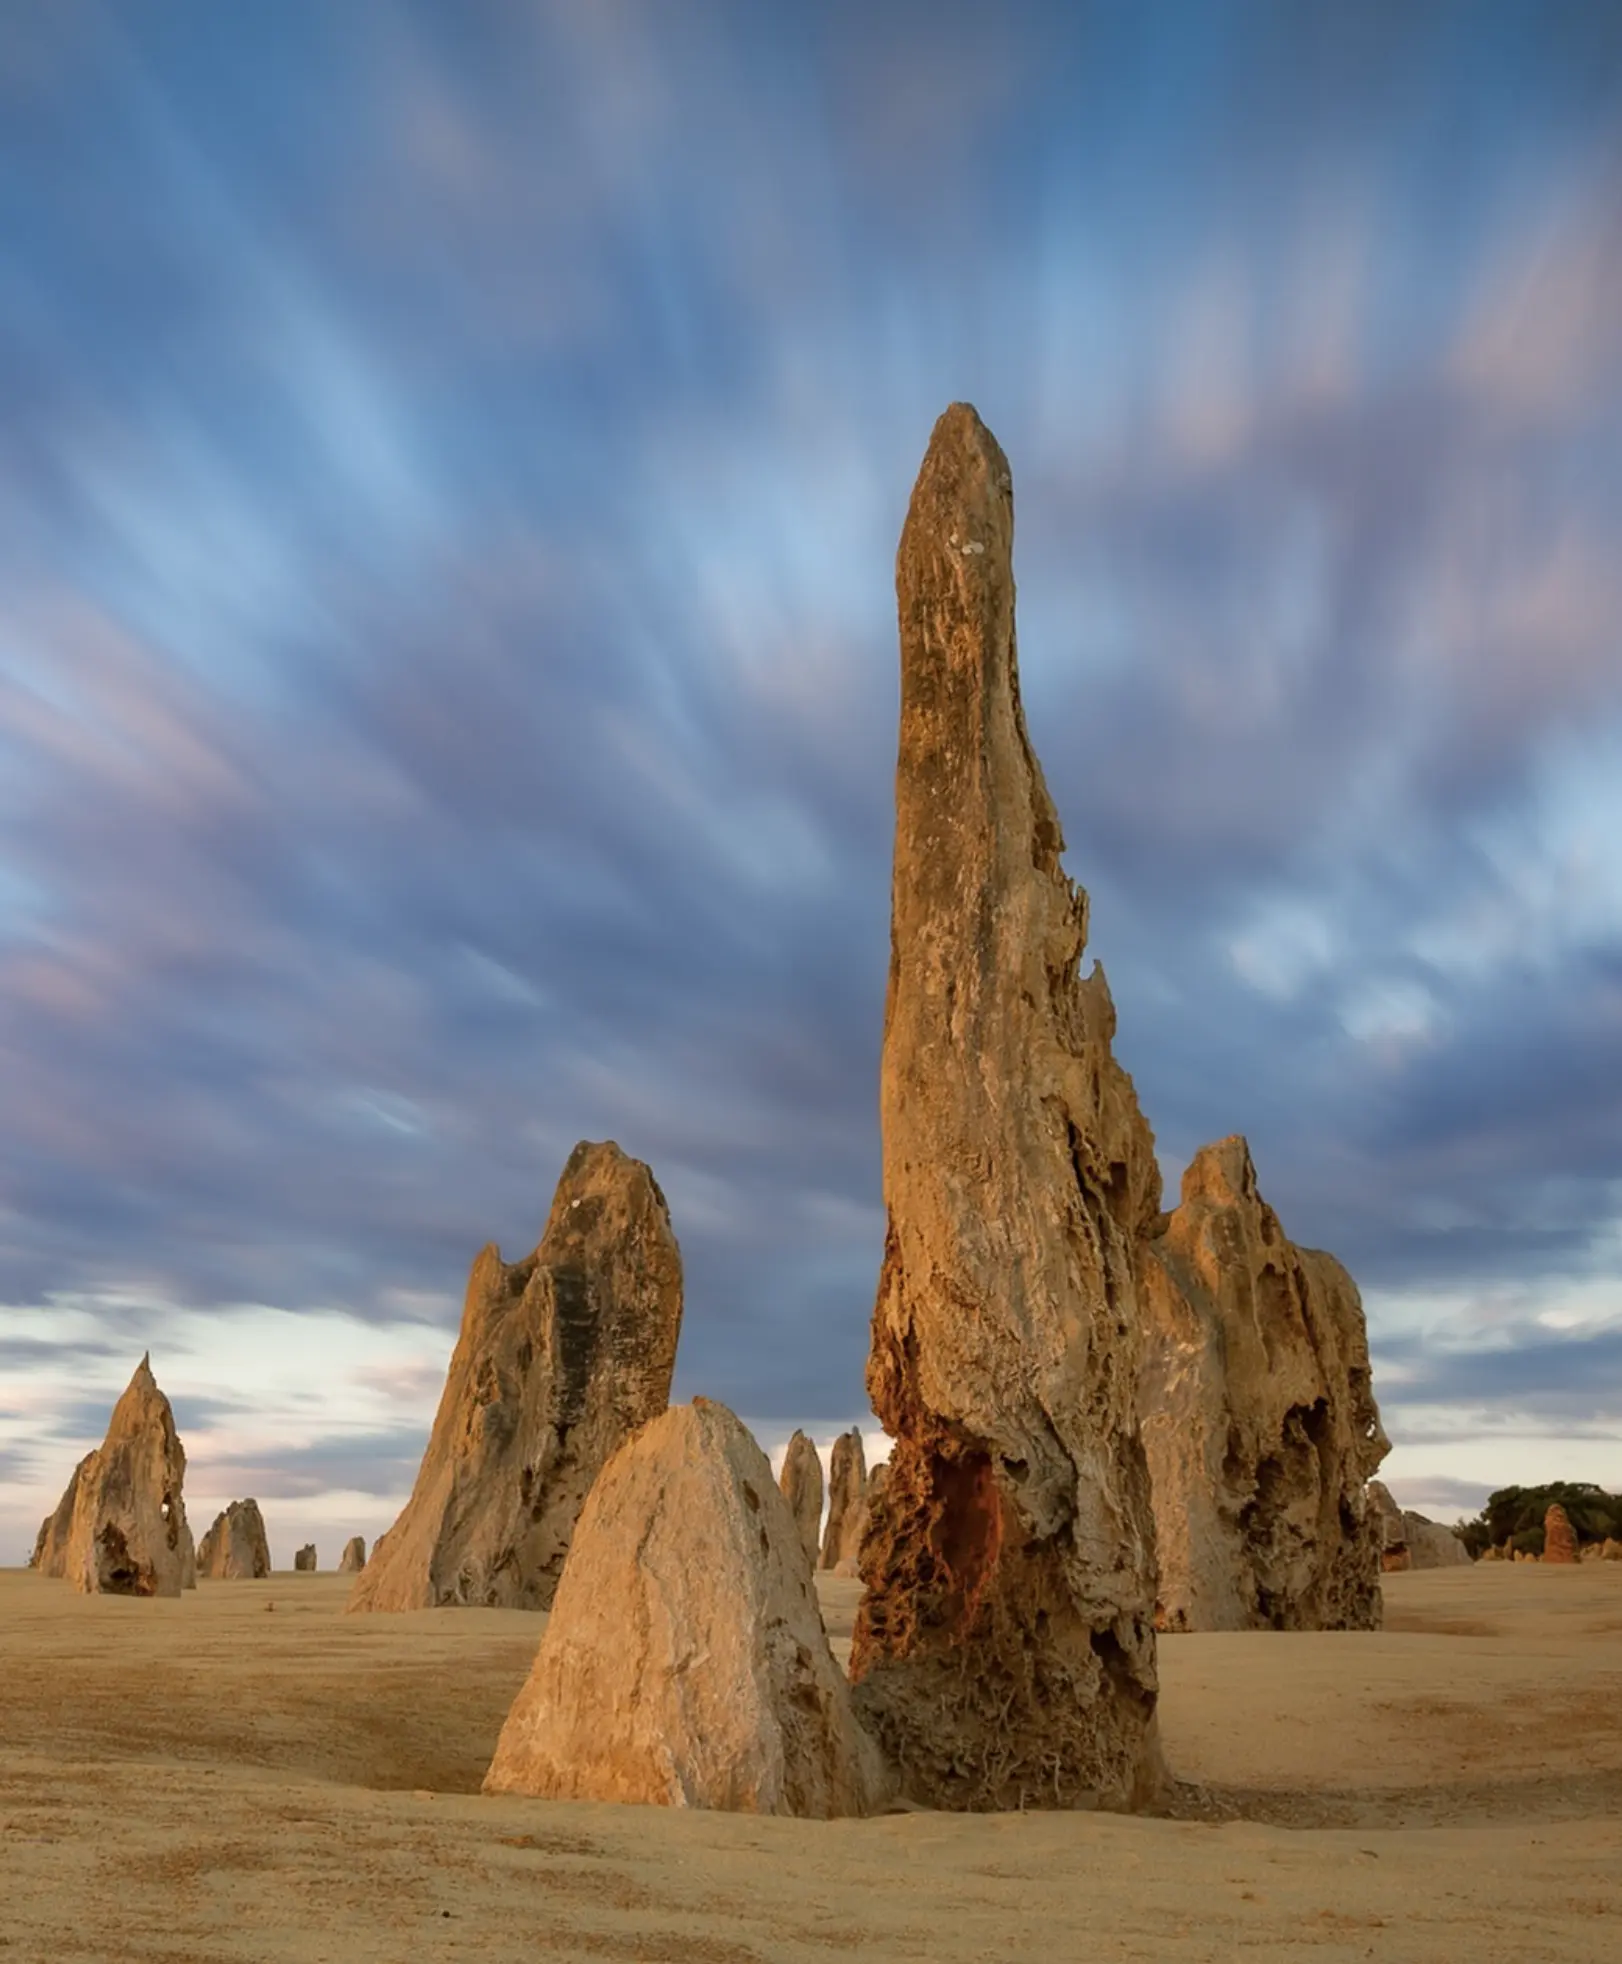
[(560, 1358), (801, 1483), (1258, 1418), (685, 1662), (353, 1559), (1430, 1545), (1559, 1541), (120, 1529), (1004, 1652), (50, 1554), (236, 1547), (847, 1512), (1393, 1533), (304, 1560)]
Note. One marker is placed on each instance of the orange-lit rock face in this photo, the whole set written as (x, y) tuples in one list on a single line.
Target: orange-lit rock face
[(1004, 1652), (1559, 1540)]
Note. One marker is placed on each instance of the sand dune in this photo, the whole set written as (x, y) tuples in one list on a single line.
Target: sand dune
[(215, 1779)]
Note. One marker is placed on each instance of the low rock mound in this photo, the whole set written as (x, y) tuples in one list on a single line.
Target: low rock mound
[(236, 1548), (685, 1662)]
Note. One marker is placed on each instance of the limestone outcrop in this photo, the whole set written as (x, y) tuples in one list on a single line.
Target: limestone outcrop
[(1004, 1653), (1430, 1545), (1610, 1550), (353, 1559), (1559, 1540), (801, 1483), (847, 1510), (304, 1560), (120, 1528), (560, 1358), (1258, 1418), (1393, 1532), (50, 1554), (684, 1662), (236, 1547)]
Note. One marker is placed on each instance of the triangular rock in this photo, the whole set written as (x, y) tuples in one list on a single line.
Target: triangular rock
[(801, 1483), (685, 1661), (353, 1559), (1258, 1417), (236, 1547), (560, 1358), (50, 1554), (847, 1515), (126, 1532), (1005, 1649)]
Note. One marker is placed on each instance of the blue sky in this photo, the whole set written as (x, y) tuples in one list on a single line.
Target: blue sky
[(451, 459)]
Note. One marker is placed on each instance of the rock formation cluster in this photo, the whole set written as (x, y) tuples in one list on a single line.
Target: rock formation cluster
[(801, 1483), (236, 1547), (560, 1358), (684, 1662), (1004, 1652), (1258, 1417), (120, 1528), (847, 1504), (353, 1559)]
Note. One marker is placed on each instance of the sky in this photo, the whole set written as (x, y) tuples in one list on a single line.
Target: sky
[(451, 461)]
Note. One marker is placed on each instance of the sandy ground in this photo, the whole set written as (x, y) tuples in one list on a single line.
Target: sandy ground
[(246, 1774)]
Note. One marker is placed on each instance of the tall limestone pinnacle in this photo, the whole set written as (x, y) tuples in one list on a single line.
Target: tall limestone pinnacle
[(1004, 1652), (560, 1358)]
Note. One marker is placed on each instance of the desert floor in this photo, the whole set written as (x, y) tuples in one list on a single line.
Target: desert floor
[(247, 1774)]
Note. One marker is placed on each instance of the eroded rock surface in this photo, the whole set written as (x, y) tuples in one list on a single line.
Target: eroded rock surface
[(1430, 1545), (1258, 1418), (120, 1529), (684, 1662), (1559, 1539), (304, 1560), (236, 1548), (801, 1484), (847, 1510), (50, 1554), (1004, 1653), (560, 1357), (353, 1559)]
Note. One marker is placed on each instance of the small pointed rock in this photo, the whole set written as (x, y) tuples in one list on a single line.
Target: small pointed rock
[(560, 1358), (685, 1662), (847, 1512), (236, 1547), (353, 1559), (801, 1483)]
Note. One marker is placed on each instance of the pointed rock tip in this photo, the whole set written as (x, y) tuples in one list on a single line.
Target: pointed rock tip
[(1221, 1170), (964, 488)]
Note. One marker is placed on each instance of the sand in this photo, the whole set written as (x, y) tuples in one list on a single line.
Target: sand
[(217, 1778)]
